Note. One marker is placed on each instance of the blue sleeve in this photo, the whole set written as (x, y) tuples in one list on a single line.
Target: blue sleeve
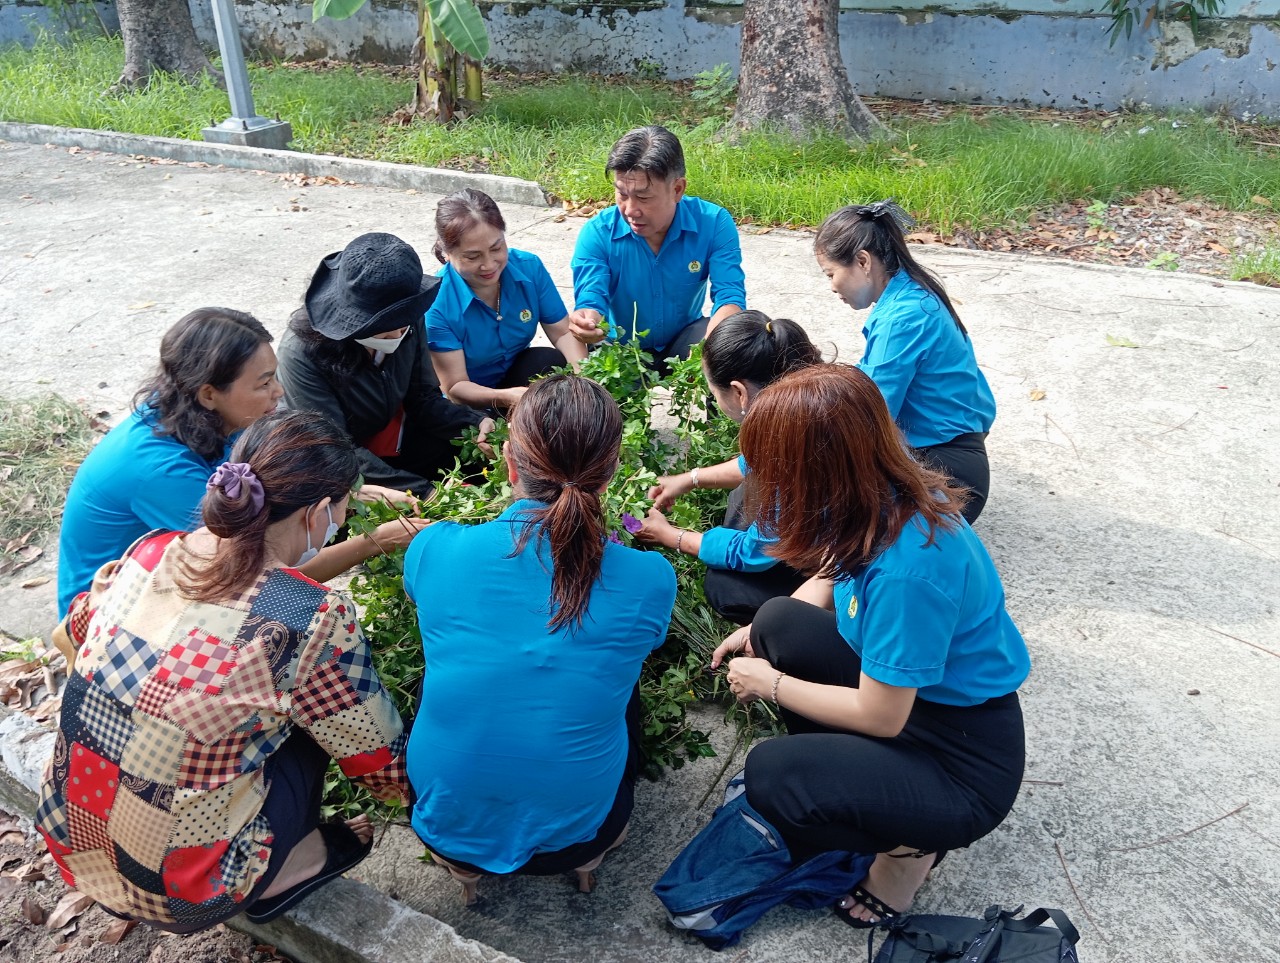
[(743, 466), (663, 601), (895, 346), (591, 273), (728, 282), (907, 631), (172, 495), (441, 333), (550, 305), (737, 551)]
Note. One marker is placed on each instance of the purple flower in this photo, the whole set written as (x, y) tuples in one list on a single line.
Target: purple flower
[(631, 523), (613, 537)]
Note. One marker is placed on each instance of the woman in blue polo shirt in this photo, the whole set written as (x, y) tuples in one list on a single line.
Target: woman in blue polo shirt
[(491, 300), (917, 350), (217, 375), (742, 355), (534, 627), (895, 667)]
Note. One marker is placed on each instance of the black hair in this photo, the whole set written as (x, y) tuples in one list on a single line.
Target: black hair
[(209, 346), (753, 348), (651, 150), (299, 458), (874, 228), (565, 435), (336, 359)]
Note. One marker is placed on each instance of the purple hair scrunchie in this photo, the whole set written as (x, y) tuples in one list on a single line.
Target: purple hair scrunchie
[(231, 475)]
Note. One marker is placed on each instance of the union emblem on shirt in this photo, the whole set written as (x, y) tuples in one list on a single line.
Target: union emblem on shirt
[(695, 267), (526, 315), (853, 606)]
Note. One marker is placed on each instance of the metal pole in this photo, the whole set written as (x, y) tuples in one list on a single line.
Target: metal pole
[(244, 127)]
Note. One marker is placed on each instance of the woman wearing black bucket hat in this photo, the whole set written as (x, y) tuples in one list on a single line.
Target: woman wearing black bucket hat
[(357, 352)]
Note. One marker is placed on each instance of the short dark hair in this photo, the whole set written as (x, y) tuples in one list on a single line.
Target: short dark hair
[(651, 150), (752, 347), (458, 213), (300, 458), (209, 346)]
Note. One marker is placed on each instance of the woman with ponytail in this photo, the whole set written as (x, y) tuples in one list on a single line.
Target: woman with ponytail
[(212, 687), (917, 351), (534, 627), (743, 354)]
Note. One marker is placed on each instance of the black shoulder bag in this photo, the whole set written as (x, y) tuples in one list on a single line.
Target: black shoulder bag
[(995, 938)]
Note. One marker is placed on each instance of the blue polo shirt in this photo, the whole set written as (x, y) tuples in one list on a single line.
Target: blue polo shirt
[(734, 549), (616, 273), (133, 481), (933, 618), (460, 321), (521, 740), (924, 366)]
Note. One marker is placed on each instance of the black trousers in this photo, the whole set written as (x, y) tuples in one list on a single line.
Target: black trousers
[(949, 778), (737, 595), (964, 460), (532, 363)]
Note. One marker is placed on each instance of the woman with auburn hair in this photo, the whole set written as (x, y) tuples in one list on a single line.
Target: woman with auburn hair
[(917, 351), (535, 626), (895, 667), (213, 685), (492, 300)]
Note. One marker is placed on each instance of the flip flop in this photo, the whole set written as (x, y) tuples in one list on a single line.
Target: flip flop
[(872, 902), (344, 851)]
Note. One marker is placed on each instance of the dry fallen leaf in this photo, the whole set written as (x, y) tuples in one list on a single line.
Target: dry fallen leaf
[(70, 907), (33, 582), (1260, 200), (141, 306), (1037, 394), (27, 873), (117, 931), (32, 911)]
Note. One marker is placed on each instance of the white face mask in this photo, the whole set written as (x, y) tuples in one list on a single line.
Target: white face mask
[(329, 532), (385, 345)]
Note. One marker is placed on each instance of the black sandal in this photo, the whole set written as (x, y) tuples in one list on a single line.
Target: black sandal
[(883, 910), (344, 851)]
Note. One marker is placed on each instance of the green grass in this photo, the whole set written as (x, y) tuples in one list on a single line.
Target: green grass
[(975, 171), (42, 441), (1260, 267)]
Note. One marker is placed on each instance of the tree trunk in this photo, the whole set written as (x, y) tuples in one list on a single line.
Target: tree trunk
[(792, 77), (159, 35)]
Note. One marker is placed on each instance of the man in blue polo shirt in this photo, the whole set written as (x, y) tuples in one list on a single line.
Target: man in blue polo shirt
[(645, 264)]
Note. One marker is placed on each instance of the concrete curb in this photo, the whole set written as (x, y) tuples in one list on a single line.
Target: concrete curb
[(345, 922), (428, 180)]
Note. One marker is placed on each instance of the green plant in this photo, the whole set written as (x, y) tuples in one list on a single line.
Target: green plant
[(1164, 261), (1260, 267), (671, 436), (1125, 14), (42, 442), (646, 68), (714, 89), (1096, 215)]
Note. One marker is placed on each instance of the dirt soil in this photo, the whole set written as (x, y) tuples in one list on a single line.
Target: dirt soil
[(42, 921)]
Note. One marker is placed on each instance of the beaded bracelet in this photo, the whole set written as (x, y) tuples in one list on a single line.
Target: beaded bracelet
[(773, 696), (680, 539)]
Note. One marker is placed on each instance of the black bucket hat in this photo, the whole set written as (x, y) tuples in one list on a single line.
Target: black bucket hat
[(374, 284)]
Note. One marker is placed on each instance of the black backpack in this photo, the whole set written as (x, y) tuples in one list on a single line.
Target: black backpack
[(995, 938)]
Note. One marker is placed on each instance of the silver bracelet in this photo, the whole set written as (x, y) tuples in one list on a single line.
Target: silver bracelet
[(679, 540), (693, 475), (773, 696)]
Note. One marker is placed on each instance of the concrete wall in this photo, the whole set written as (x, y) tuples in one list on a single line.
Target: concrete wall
[(1035, 52)]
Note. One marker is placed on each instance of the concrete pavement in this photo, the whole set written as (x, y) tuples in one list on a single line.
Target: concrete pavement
[(1133, 517)]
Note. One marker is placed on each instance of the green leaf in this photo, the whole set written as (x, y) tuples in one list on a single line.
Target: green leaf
[(460, 23), (1118, 342), (334, 9)]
